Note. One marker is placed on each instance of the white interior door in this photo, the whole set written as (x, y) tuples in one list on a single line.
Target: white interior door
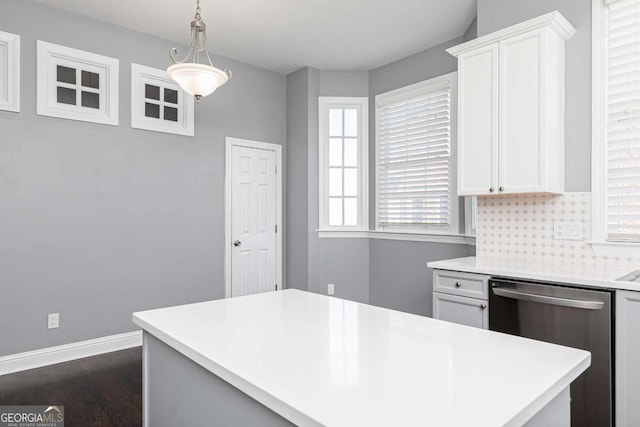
[(253, 220)]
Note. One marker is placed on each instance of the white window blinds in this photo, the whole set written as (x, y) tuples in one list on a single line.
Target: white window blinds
[(414, 157), (623, 119)]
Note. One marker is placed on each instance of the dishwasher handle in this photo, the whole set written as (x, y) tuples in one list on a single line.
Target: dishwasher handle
[(546, 299)]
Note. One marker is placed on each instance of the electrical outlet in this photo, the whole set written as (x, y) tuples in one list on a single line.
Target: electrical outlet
[(53, 321), (330, 289), (568, 230)]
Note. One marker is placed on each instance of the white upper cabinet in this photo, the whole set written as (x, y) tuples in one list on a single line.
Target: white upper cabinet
[(478, 110), (511, 109)]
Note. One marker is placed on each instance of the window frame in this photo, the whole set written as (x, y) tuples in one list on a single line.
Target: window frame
[(599, 240), (325, 103), (407, 92), (49, 57), (471, 220), (142, 75), (10, 72)]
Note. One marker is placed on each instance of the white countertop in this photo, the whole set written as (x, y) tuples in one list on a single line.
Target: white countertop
[(559, 273), (317, 360)]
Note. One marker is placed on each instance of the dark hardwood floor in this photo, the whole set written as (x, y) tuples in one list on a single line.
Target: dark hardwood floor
[(99, 391)]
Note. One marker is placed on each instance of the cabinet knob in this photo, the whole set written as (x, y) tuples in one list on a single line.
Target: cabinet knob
[(501, 188), (458, 284), (483, 306), (491, 189), (237, 243)]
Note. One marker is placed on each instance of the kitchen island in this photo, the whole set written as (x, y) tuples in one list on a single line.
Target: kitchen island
[(297, 358)]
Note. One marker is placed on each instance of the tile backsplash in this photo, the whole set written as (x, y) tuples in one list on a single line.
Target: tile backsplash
[(518, 230)]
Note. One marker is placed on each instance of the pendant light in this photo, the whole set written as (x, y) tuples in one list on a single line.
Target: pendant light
[(193, 77)]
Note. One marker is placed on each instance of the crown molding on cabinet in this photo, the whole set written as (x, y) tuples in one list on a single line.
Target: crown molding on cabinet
[(553, 20)]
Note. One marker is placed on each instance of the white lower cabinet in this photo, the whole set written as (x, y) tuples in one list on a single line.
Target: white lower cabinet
[(627, 359), (461, 298), (463, 310)]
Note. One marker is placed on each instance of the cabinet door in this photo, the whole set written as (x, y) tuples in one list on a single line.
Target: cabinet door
[(627, 358), (461, 310), (478, 121), (521, 80)]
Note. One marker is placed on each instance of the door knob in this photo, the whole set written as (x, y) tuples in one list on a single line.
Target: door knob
[(483, 306), (501, 189), (237, 243), (491, 189)]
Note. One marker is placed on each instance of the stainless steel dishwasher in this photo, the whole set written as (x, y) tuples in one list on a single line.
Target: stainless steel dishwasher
[(574, 317)]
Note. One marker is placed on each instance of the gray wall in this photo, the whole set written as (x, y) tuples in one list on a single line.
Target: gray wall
[(100, 221), (96, 221), (313, 262), (398, 273), (343, 83), (472, 31), (297, 179), (496, 14), (382, 272), (343, 262)]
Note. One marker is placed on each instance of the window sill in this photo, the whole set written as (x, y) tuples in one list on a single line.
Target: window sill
[(459, 239), (616, 249), (343, 234)]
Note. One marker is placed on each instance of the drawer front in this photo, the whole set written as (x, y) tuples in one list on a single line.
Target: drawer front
[(463, 284), (461, 310)]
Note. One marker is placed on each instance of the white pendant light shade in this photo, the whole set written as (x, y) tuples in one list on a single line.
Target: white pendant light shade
[(198, 79), (193, 77)]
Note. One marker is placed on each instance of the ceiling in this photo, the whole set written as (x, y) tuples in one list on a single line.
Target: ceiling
[(284, 35)]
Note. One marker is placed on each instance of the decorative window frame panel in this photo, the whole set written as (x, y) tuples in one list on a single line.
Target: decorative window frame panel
[(49, 57), (9, 72), (142, 75)]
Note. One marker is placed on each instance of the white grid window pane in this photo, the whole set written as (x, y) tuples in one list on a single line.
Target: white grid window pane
[(623, 120), (414, 160), (335, 181), (335, 211), (350, 182), (351, 152), (342, 179), (335, 151), (342, 163), (350, 211), (350, 122), (335, 122)]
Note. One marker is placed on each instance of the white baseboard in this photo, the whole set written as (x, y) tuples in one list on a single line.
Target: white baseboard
[(64, 353)]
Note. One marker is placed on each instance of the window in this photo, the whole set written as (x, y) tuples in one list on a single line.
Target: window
[(9, 72), (616, 132), (471, 215), (415, 142), (158, 103), (77, 85), (343, 160)]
